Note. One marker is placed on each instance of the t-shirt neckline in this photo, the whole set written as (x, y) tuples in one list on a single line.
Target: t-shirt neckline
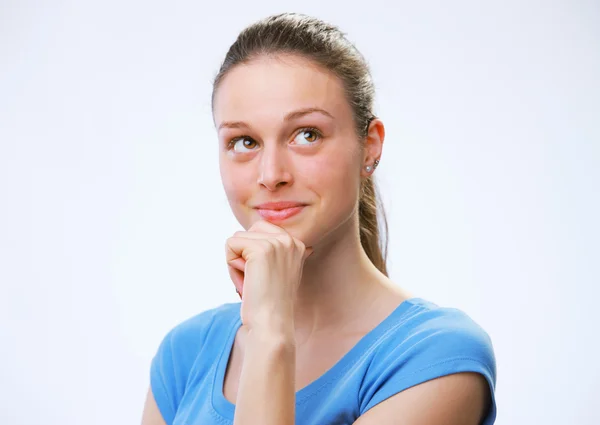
[(226, 409)]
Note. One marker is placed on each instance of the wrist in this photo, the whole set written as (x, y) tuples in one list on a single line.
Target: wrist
[(274, 323), (265, 347), (272, 335)]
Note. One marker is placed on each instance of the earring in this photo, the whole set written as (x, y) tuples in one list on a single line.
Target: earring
[(369, 168)]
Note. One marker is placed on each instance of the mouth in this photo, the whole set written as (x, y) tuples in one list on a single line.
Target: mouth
[(273, 213)]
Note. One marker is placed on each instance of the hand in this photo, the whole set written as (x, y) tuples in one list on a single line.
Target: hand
[(265, 264)]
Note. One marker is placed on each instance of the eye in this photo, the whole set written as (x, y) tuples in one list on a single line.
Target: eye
[(310, 135), (246, 142)]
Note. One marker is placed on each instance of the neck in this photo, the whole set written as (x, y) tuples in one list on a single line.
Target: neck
[(338, 282)]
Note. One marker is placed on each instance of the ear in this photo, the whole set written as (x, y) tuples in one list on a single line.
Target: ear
[(373, 145)]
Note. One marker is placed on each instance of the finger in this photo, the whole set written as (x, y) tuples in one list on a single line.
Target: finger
[(267, 227), (238, 251), (252, 234), (236, 268), (237, 277), (285, 239), (238, 264), (237, 247)]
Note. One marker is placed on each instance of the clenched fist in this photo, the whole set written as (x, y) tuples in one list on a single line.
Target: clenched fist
[(265, 264)]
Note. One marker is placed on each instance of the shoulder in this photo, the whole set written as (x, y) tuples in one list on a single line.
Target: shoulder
[(426, 342), (187, 339), (198, 337), (428, 333), (201, 324)]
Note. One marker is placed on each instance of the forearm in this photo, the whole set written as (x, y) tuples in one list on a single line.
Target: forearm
[(266, 392)]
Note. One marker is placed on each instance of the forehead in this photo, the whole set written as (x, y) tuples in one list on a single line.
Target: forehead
[(270, 87)]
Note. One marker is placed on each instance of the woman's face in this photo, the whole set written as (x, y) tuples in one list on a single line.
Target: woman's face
[(286, 133)]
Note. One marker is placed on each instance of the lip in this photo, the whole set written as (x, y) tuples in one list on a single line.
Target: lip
[(282, 205), (279, 215), (279, 211)]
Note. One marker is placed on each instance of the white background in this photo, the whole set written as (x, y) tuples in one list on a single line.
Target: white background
[(113, 218)]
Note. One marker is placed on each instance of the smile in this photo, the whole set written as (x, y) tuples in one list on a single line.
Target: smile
[(279, 215)]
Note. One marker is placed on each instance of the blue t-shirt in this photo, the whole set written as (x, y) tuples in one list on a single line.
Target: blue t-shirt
[(417, 342)]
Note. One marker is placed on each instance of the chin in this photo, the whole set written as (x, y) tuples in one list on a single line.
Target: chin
[(304, 227), (303, 230)]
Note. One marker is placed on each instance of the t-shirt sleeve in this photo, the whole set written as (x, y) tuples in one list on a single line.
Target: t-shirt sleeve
[(163, 380), (171, 365), (436, 348)]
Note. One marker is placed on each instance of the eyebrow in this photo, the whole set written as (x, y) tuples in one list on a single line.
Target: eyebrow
[(290, 116)]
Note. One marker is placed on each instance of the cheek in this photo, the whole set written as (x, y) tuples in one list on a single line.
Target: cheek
[(237, 190), (234, 181), (334, 177)]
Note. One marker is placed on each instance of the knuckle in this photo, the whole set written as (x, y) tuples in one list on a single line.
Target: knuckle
[(272, 246), (266, 246), (287, 241), (300, 245)]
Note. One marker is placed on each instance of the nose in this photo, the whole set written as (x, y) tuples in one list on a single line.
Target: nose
[(274, 168)]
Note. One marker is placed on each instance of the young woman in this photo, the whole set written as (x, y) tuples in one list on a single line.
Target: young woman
[(321, 335)]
